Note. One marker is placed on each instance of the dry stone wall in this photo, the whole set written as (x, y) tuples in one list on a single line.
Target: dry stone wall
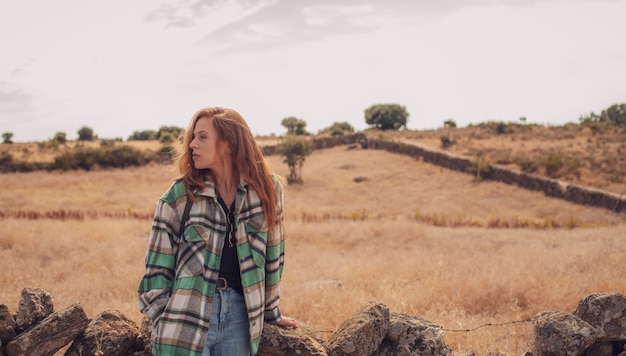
[(550, 187), (596, 328)]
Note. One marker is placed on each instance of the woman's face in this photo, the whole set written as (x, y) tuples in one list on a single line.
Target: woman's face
[(208, 149)]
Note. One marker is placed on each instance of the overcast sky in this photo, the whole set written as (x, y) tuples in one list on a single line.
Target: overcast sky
[(124, 66)]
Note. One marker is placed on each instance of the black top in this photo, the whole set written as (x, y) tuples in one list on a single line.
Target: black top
[(229, 265)]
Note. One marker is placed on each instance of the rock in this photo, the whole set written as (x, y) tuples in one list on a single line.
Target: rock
[(600, 349), (109, 333), (606, 312), (145, 333), (276, 341), (51, 334), (35, 305), (408, 335), (7, 325), (558, 333), (362, 333)]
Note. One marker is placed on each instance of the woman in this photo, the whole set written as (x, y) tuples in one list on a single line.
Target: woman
[(209, 287)]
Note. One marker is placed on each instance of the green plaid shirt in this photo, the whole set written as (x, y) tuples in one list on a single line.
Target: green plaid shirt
[(177, 289)]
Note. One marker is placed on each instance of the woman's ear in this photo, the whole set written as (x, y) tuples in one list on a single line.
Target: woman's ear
[(226, 147)]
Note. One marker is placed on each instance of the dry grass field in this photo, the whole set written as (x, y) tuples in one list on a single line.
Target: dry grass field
[(411, 235)]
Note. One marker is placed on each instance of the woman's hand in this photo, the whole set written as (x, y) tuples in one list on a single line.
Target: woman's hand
[(287, 322)]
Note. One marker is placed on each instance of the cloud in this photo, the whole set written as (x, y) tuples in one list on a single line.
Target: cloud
[(257, 26), (14, 101), (190, 13)]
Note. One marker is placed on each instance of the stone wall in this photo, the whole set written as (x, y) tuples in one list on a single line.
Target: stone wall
[(596, 328), (551, 187)]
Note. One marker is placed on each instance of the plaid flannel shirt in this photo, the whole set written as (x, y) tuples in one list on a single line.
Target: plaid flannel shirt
[(177, 289)]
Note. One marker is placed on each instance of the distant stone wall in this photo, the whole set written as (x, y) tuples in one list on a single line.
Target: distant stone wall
[(596, 327), (550, 187)]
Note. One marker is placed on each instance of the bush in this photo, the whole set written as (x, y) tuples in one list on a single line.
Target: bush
[(145, 135), (174, 131), (552, 164), (479, 166), (527, 166), (60, 138), (338, 129), (167, 138), (446, 141), (108, 157)]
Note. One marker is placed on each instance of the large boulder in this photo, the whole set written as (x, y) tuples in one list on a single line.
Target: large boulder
[(7, 325), (362, 333), (51, 334), (558, 333), (606, 312), (408, 335), (277, 341), (109, 333), (35, 305)]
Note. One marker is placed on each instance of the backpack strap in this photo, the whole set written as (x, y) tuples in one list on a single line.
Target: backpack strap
[(185, 217)]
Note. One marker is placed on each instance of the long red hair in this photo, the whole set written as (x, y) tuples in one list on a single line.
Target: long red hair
[(247, 158)]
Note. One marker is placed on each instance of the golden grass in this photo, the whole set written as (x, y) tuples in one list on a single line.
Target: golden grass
[(347, 243)]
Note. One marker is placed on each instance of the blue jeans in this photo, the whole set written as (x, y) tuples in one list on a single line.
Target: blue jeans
[(228, 326)]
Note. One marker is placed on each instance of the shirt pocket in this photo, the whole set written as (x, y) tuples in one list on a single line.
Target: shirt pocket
[(191, 253), (257, 240)]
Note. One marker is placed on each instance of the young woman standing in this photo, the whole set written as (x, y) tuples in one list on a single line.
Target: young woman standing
[(209, 289)]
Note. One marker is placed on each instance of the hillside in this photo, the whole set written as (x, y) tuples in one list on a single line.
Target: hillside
[(593, 156), (588, 155), (407, 233)]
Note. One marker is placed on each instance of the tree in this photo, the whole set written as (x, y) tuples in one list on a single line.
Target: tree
[(338, 128), (85, 133), (449, 123), (60, 137), (7, 137), (294, 151), (615, 114), (294, 125), (144, 135), (386, 116)]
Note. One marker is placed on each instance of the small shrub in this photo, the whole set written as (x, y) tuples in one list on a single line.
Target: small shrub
[(107, 143), (446, 141), (528, 166), (552, 165), (573, 167), (480, 167), (60, 137), (167, 138)]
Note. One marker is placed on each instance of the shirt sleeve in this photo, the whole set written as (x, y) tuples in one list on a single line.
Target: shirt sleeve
[(274, 261), (160, 259)]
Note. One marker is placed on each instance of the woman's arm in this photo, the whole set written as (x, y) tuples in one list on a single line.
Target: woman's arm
[(155, 286)]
